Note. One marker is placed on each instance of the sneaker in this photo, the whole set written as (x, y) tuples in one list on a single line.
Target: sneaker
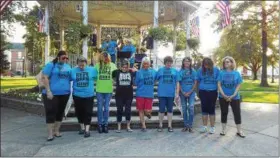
[(105, 129), (82, 131), (203, 129), (212, 130), (87, 134), (100, 130)]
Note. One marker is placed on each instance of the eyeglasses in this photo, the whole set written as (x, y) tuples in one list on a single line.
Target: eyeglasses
[(227, 62), (65, 58)]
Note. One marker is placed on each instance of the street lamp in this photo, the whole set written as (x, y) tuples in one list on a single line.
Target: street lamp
[(23, 63)]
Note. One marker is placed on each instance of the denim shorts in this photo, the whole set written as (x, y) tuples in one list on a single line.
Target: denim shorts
[(166, 102)]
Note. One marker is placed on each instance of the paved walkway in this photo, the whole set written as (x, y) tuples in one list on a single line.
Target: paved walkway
[(23, 134)]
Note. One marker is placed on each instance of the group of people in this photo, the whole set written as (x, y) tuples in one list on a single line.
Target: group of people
[(172, 85)]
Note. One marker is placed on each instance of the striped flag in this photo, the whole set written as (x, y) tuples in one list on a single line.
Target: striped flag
[(195, 26), (224, 7), (4, 4), (41, 21)]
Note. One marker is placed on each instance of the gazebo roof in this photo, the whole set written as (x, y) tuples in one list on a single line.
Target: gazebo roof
[(133, 13)]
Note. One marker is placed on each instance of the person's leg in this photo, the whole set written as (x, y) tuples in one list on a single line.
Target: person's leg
[(212, 100), (190, 109), (148, 107), (119, 104), (128, 103), (79, 112), (162, 104), (62, 102), (100, 103), (88, 106), (184, 110), (235, 106), (50, 111), (170, 103), (203, 99), (106, 111), (140, 108), (224, 114)]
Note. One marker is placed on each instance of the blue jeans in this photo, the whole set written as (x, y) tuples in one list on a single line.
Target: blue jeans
[(103, 100), (188, 109)]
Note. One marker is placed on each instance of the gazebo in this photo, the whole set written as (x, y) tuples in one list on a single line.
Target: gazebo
[(134, 14)]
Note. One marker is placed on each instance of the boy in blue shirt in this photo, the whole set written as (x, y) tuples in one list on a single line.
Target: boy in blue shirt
[(168, 81), (83, 78)]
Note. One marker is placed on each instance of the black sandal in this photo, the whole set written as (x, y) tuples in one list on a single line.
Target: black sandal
[(170, 129), (223, 133), (241, 135), (50, 139)]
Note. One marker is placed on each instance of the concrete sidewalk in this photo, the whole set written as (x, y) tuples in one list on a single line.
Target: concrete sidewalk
[(23, 134)]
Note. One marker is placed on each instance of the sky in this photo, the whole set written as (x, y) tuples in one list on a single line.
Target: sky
[(208, 38)]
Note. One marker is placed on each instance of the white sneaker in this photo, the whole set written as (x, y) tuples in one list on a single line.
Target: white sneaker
[(212, 130), (203, 129)]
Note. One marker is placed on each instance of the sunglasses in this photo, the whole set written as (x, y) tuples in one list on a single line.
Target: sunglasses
[(227, 62), (65, 58)]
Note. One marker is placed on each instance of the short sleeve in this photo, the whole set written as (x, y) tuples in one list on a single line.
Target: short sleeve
[(113, 67), (239, 78), (114, 74), (47, 69), (194, 74), (220, 77), (158, 74), (177, 76), (180, 75), (198, 75), (94, 72), (71, 74), (137, 78), (217, 73)]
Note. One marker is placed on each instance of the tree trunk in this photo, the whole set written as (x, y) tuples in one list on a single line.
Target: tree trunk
[(264, 82), (272, 76), (255, 74)]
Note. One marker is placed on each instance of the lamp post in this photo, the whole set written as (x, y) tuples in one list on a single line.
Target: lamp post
[(23, 63)]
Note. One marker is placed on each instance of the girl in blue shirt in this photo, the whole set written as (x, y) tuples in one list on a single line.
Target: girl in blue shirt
[(229, 83), (83, 78), (56, 78), (145, 81), (168, 82), (207, 77), (188, 81)]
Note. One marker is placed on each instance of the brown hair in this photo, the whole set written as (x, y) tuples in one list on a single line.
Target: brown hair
[(104, 58), (167, 59), (207, 61), (233, 67), (189, 59)]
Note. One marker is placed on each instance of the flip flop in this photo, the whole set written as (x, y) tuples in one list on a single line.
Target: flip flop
[(118, 131), (223, 133), (241, 135), (50, 139), (159, 129), (129, 130)]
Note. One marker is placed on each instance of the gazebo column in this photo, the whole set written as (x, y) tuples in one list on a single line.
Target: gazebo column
[(47, 44), (85, 22), (188, 35), (155, 49), (140, 36), (98, 35), (61, 33), (174, 38)]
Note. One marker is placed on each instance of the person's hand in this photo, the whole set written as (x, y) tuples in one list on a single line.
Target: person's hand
[(133, 69), (187, 94), (231, 97), (49, 95)]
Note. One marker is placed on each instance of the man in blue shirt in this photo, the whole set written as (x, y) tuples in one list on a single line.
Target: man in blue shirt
[(128, 47), (110, 47)]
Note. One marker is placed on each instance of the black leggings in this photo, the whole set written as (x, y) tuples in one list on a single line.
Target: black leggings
[(54, 109), (83, 109), (235, 106), (123, 102)]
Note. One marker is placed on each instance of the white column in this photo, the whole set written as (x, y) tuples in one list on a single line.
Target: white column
[(155, 49), (61, 29), (140, 36), (85, 22), (188, 35), (47, 31), (98, 34)]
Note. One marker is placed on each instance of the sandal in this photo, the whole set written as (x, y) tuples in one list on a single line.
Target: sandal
[(129, 130), (159, 129), (223, 133), (118, 131), (241, 134), (50, 139), (144, 130), (170, 129)]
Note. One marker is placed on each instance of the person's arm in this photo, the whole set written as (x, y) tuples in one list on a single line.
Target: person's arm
[(238, 86), (221, 91), (45, 77)]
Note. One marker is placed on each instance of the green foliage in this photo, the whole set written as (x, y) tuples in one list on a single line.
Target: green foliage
[(4, 63), (85, 31), (193, 43), (161, 33)]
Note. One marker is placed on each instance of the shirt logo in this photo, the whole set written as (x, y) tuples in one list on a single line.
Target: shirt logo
[(82, 79)]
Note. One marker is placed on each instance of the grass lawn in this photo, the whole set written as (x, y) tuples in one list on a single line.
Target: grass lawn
[(250, 90), (8, 83)]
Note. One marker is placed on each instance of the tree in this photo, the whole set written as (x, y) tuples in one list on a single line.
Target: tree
[(263, 18), (5, 64)]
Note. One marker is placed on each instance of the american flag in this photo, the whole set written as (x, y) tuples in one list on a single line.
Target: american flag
[(41, 21), (4, 4), (195, 26), (224, 7)]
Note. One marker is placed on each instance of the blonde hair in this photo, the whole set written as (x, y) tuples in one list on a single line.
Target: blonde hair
[(145, 60), (233, 66)]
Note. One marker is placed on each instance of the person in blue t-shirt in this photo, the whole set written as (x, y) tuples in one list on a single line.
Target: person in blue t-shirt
[(207, 77), (145, 81), (110, 47), (83, 78), (56, 78), (128, 47), (229, 83), (188, 81), (168, 81)]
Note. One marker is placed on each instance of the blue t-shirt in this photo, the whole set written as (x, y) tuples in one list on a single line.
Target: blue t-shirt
[(187, 79), (167, 78), (83, 81), (109, 47), (208, 81), (60, 78), (229, 82), (145, 80), (129, 48)]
